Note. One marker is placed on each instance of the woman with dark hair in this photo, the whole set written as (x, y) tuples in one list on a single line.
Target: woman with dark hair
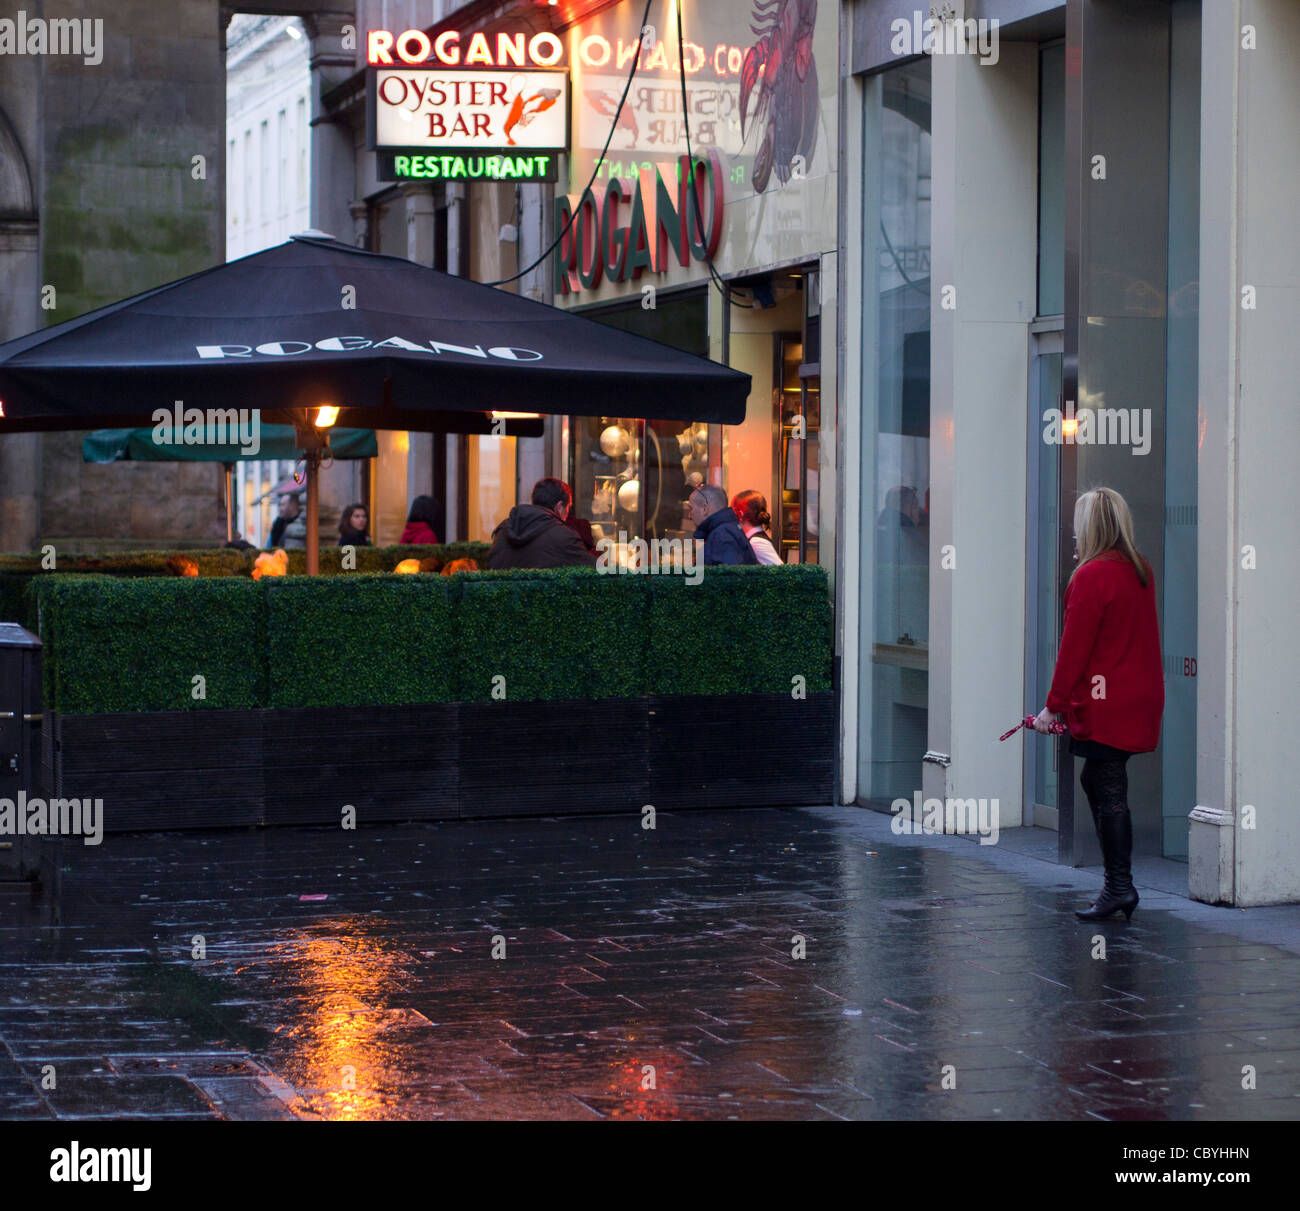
[(422, 523), (353, 526), (1109, 680), (750, 508)]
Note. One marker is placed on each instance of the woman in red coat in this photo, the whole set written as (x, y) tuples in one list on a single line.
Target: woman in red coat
[(1109, 681)]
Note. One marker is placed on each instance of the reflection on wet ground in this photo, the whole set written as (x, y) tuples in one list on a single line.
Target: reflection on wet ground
[(587, 968)]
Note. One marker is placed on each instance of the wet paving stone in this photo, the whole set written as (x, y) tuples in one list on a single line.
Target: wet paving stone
[(761, 964)]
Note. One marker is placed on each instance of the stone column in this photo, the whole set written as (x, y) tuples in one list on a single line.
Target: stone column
[(458, 229), (20, 453), (1245, 831), (333, 166), (420, 235), (20, 273), (360, 230)]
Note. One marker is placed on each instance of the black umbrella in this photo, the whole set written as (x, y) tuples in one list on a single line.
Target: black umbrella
[(313, 323)]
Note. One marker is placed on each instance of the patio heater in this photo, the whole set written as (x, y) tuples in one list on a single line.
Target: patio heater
[(311, 431)]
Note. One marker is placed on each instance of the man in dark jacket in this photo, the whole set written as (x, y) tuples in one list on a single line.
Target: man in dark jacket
[(715, 523), (535, 536)]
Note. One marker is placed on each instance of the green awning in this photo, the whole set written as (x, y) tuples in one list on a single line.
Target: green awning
[(277, 441)]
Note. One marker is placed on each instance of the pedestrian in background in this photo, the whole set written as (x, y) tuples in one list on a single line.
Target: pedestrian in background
[(354, 526), (1109, 681), (423, 523), (750, 508), (290, 528), (716, 526)]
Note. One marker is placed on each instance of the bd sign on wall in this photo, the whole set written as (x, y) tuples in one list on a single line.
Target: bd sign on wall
[(499, 94)]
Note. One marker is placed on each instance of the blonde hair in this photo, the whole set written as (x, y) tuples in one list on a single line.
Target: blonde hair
[(1102, 522)]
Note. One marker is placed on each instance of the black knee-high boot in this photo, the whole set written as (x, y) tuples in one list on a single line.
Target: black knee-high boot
[(1118, 894), (1107, 792)]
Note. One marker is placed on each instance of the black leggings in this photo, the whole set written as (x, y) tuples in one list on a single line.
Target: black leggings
[(1105, 782)]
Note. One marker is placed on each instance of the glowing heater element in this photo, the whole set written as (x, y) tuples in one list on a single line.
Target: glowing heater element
[(326, 415)]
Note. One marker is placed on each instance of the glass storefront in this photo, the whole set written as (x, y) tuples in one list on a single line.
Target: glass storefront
[(896, 412), (767, 176), (632, 477), (1137, 356), (1179, 590)]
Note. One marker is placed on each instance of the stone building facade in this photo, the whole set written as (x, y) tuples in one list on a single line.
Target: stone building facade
[(102, 197)]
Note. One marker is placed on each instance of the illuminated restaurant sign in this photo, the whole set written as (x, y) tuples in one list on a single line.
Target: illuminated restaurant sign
[(449, 49), (453, 92), (665, 222), (408, 166), (468, 110)]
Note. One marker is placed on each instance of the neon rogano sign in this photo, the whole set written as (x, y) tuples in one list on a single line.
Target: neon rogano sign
[(414, 48), (666, 222)]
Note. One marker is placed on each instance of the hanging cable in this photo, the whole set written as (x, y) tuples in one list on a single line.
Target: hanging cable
[(595, 172), (692, 203)]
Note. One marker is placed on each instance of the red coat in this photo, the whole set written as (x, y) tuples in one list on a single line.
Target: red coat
[(1110, 631), (417, 533)]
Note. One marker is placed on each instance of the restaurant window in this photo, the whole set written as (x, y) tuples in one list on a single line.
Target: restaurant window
[(895, 346), (1051, 178), (633, 476), (774, 338)]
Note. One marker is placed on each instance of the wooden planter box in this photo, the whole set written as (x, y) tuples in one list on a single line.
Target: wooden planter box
[(205, 769)]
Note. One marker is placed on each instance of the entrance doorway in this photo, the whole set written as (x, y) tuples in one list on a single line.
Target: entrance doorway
[(1042, 579)]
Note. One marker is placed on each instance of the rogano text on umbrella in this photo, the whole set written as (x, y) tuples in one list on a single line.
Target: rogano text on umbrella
[(351, 344)]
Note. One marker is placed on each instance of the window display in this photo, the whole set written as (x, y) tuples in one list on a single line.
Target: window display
[(632, 478)]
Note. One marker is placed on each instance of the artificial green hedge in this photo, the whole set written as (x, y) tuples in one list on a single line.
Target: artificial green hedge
[(17, 571), (385, 559), (116, 644), (565, 633), (221, 561), (137, 645), (362, 641), (751, 632)]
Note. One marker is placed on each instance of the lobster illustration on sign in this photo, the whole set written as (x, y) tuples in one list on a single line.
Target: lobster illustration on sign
[(606, 104), (525, 109), (780, 65)]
